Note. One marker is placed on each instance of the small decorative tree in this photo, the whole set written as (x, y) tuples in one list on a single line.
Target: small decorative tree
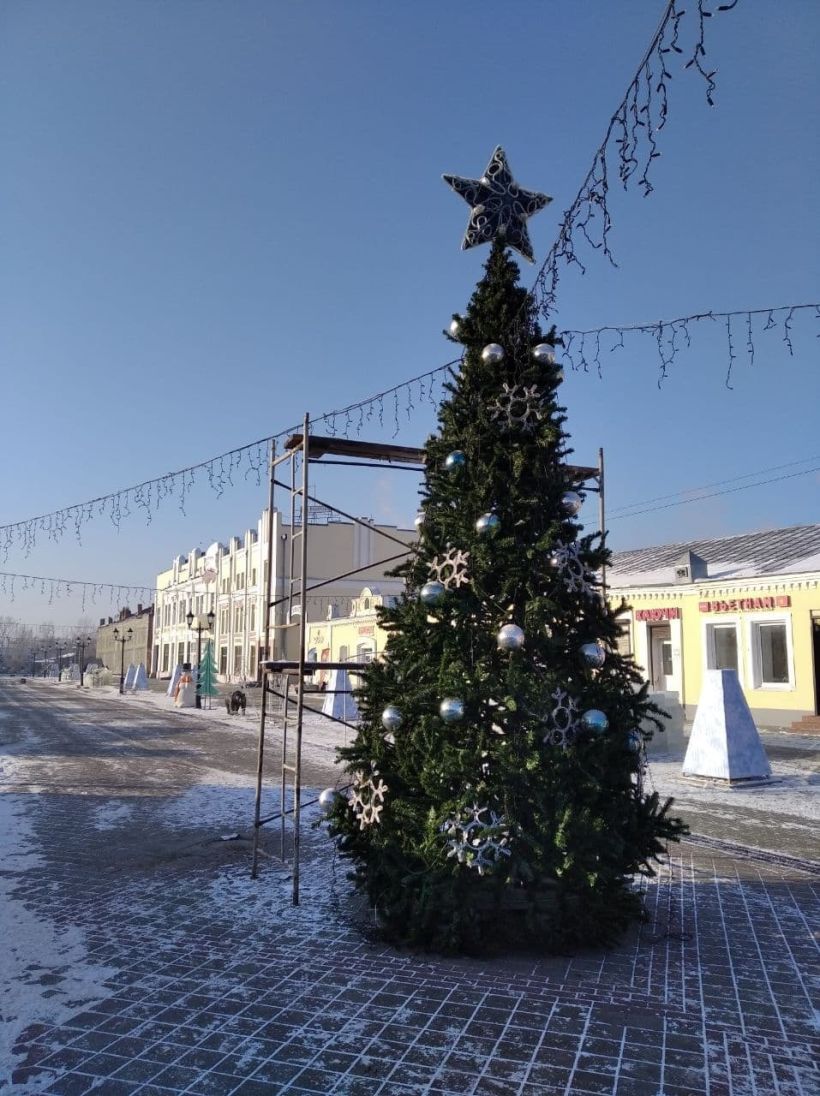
[(207, 674)]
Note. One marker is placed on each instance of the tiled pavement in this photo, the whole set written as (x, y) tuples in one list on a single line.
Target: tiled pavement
[(211, 984), (220, 987)]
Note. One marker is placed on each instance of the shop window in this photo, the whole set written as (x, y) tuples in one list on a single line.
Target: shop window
[(770, 654), (722, 647)]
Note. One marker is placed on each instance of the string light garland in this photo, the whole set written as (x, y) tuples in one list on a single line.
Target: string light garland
[(119, 593), (583, 349), (630, 145)]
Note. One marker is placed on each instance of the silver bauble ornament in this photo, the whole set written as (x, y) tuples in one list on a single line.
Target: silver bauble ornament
[(418, 520), (492, 354), (543, 354), (392, 718), (593, 655), (594, 720), (572, 502), (327, 800), (455, 461), (432, 593), (451, 709), (487, 524), (510, 638), (455, 327)]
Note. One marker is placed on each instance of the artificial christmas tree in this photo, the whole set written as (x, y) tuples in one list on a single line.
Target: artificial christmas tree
[(496, 794), (207, 673)]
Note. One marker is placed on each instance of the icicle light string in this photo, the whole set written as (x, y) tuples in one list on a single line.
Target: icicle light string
[(583, 350), (12, 584), (629, 147)]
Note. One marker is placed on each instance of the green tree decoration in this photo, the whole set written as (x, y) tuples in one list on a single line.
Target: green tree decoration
[(496, 792), (207, 672)]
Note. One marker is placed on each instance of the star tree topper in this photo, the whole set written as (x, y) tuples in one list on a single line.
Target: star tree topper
[(500, 207)]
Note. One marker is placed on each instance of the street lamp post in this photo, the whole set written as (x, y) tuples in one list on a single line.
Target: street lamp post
[(200, 628), (81, 646), (59, 661), (122, 643)]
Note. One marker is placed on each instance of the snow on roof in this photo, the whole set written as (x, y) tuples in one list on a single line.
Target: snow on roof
[(793, 550)]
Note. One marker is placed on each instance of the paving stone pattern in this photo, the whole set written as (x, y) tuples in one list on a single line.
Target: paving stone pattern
[(218, 986)]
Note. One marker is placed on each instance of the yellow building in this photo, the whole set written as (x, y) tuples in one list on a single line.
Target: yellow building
[(750, 603), (353, 638)]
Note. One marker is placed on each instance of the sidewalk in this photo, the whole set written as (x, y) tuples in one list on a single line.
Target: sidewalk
[(194, 979)]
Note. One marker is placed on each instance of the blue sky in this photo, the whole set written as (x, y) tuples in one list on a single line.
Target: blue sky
[(215, 216)]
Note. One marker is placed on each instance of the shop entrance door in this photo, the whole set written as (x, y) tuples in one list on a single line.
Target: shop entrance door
[(815, 635), (661, 662)]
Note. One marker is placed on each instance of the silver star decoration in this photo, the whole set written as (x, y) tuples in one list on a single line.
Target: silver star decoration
[(499, 206)]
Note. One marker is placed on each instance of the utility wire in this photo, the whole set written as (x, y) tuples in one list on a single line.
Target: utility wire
[(714, 494), (707, 486)]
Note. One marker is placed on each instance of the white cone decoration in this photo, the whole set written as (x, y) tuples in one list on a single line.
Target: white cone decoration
[(140, 679), (130, 674), (339, 701), (175, 676), (724, 743)]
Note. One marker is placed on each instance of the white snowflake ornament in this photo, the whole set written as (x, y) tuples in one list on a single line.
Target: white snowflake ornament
[(451, 568), (519, 407), (563, 720), (575, 574), (367, 798), (477, 838)]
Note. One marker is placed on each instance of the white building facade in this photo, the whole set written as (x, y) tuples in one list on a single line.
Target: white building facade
[(230, 581)]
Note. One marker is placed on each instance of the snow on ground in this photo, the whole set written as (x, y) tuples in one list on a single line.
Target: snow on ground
[(44, 972), (108, 816), (793, 790)]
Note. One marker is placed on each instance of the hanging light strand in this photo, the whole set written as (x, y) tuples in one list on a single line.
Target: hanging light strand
[(630, 144)]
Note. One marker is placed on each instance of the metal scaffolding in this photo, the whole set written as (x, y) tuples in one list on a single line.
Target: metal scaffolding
[(302, 450)]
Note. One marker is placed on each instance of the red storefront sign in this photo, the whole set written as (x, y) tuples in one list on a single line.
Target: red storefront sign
[(744, 604), (672, 612), (366, 630)]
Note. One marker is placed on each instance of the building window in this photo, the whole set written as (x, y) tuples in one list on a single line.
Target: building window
[(252, 625), (770, 654), (343, 653), (366, 605), (240, 582), (623, 643), (166, 657), (253, 669), (223, 660), (237, 660), (199, 600), (253, 577), (239, 618), (721, 651), (181, 654)]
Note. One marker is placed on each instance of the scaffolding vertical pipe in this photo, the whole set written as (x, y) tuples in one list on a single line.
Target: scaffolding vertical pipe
[(284, 782), (602, 515), (260, 753), (300, 684)]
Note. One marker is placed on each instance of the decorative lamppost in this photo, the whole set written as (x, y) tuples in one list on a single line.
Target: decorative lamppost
[(122, 643), (81, 646), (200, 628)]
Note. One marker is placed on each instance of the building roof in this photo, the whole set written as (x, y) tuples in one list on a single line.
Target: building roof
[(793, 550)]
